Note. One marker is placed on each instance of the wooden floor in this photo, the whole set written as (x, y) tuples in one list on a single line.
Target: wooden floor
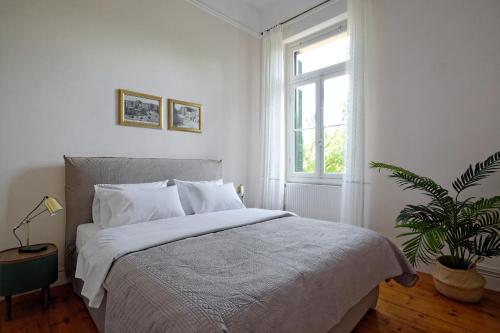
[(417, 309)]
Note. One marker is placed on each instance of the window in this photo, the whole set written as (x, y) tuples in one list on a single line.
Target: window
[(316, 106)]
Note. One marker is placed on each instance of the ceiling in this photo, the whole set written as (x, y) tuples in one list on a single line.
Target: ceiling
[(255, 16), (258, 4)]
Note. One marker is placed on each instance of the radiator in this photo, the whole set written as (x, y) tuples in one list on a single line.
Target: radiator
[(314, 201)]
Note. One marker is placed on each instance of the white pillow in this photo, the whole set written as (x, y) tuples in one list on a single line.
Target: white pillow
[(213, 198), (186, 191), (160, 184), (96, 203), (138, 205)]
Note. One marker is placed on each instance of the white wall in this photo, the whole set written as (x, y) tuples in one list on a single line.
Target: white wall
[(60, 65), (438, 106)]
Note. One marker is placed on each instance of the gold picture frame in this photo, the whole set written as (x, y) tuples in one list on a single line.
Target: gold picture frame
[(184, 116), (140, 110)]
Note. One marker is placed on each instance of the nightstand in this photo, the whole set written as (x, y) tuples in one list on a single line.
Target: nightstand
[(22, 272)]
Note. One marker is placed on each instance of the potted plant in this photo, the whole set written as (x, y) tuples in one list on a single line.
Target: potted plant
[(458, 232)]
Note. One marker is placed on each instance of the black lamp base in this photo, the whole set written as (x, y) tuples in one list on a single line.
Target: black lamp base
[(32, 248)]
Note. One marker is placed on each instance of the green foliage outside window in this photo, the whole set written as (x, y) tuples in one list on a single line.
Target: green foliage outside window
[(309, 158), (334, 150)]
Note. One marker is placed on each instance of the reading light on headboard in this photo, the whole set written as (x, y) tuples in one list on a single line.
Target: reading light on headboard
[(241, 191)]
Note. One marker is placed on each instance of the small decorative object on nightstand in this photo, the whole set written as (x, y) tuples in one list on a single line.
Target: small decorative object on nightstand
[(24, 271)]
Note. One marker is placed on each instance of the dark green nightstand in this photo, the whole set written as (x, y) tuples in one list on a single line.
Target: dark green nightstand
[(22, 272)]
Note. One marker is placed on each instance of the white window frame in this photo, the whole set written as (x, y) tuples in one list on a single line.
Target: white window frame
[(292, 82)]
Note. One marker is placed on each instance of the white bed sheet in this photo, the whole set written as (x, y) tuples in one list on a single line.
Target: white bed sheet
[(84, 233)]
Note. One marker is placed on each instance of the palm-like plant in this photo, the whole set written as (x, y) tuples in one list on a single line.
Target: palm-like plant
[(469, 227)]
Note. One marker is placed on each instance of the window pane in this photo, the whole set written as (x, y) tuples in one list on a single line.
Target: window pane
[(305, 151), (305, 106), (335, 100), (328, 52), (334, 149)]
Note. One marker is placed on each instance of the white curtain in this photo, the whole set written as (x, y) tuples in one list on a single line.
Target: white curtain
[(353, 186), (273, 120)]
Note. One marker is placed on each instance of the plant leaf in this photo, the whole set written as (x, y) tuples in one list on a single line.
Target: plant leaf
[(486, 246), (481, 170), (410, 180), (425, 245)]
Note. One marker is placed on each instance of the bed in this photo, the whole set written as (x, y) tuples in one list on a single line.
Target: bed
[(246, 270)]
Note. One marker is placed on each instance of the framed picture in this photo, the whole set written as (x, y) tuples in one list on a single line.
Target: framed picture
[(137, 109), (184, 116)]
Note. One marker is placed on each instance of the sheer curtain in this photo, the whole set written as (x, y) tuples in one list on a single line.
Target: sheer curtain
[(353, 186), (273, 120)]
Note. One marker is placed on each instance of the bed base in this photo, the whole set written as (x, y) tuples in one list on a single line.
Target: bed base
[(347, 324)]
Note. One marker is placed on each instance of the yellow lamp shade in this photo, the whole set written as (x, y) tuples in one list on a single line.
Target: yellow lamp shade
[(52, 205)]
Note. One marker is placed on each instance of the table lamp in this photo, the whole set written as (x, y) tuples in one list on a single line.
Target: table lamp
[(52, 206)]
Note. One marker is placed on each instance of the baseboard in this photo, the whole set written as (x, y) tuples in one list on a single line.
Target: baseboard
[(489, 271), (491, 274)]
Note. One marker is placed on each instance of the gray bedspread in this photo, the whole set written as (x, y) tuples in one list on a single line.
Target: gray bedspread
[(284, 275)]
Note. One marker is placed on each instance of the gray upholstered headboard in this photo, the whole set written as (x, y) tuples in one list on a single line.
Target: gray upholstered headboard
[(82, 173)]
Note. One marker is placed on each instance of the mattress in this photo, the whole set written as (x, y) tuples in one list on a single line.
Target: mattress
[(84, 232)]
